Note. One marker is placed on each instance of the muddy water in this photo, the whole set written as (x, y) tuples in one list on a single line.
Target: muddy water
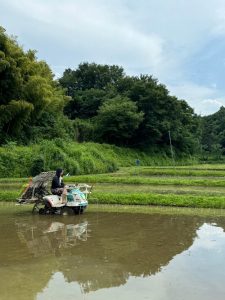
[(112, 256)]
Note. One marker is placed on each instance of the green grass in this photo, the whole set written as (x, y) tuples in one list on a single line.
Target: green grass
[(13, 209), (75, 158), (125, 187), (145, 180), (152, 209), (11, 180), (9, 195), (145, 199), (156, 199), (157, 189), (218, 166), (177, 172)]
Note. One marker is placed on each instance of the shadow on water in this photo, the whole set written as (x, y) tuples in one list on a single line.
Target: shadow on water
[(96, 250)]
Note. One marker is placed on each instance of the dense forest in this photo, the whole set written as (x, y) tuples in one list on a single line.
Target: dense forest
[(213, 133), (97, 103)]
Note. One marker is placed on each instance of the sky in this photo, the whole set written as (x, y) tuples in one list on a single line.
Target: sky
[(179, 42)]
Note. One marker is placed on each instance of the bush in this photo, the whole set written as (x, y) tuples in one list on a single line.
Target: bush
[(75, 158), (71, 166), (88, 165), (37, 166)]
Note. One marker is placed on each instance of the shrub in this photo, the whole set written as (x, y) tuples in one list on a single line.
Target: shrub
[(88, 165), (37, 166), (71, 166)]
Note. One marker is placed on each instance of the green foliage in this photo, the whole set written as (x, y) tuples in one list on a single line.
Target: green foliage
[(85, 130), (163, 113), (75, 158), (37, 166), (132, 194), (85, 104), (117, 120), (87, 164), (9, 195), (155, 199), (129, 111), (147, 180), (178, 172), (90, 76), (213, 135), (13, 180), (30, 100), (98, 103), (15, 161), (143, 199)]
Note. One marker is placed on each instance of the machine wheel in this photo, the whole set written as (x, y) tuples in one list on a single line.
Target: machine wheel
[(46, 210), (49, 210), (38, 209), (42, 211), (78, 210), (67, 211), (35, 208)]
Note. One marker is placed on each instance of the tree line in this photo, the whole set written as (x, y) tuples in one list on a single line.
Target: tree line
[(93, 102)]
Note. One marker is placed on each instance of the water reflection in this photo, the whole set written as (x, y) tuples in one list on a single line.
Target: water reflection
[(98, 255), (48, 238)]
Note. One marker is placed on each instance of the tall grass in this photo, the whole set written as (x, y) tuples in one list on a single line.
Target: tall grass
[(75, 158)]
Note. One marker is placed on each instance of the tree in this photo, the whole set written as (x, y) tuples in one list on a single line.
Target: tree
[(90, 76), (162, 113), (85, 104), (27, 91), (117, 120), (213, 131), (89, 85)]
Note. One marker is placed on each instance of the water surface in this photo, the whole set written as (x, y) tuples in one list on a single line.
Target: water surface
[(102, 255)]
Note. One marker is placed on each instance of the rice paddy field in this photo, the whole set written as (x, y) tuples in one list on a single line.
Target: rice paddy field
[(200, 186)]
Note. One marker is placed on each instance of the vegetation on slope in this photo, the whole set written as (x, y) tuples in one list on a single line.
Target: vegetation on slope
[(74, 158)]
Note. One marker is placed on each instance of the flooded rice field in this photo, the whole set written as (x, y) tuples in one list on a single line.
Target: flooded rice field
[(112, 255)]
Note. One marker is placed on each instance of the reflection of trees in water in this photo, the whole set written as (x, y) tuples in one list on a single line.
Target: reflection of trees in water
[(126, 245), (48, 238), (28, 258), (220, 222), (119, 246)]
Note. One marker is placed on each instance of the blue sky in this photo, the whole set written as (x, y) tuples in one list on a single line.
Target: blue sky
[(180, 42)]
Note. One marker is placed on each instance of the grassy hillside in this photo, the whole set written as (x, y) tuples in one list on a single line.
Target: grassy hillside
[(75, 158)]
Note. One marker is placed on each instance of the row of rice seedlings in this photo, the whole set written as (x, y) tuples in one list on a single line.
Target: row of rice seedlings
[(145, 199), (176, 172), (157, 199), (145, 180), (12, 180), (9, 195), (215, 167), (10, 186), (143, 188), (198, 200), (154, 209)]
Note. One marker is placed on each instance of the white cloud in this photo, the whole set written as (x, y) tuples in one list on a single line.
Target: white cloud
[(204, 99), (209, 106), (156, 37), (94, 31), (217, 102)]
